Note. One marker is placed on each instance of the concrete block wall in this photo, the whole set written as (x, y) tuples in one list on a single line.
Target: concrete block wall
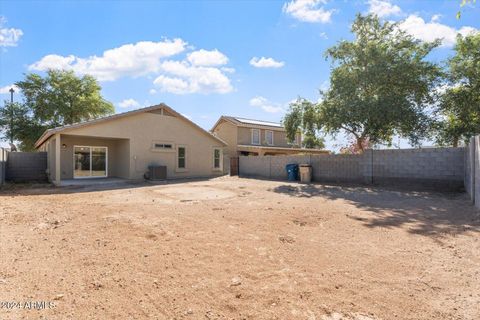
[(469, 172), (472, 170), (3, 165), (338, 168), (326, 167), (439, 168), (476, 172), (26, 166)]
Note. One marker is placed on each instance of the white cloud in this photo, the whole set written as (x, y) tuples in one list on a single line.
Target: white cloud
[(265, 105), (266, 63), (201, 71), (308, 10), (429, 31), (9, 37), (54, 61), (6, 89), (207, 58), (383, 8), (132, 60), (182, 78), (227, 69), (129, 103)]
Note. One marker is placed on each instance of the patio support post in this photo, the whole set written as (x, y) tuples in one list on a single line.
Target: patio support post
[(57, 159)]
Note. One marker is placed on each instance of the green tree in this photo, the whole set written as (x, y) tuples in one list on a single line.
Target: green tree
[(60, 98), (16, 122), (463, 3), (460, 102), (380, 85), (299, 116)]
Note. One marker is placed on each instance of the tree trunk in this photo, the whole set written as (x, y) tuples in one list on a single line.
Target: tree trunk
[(455, 142), (360, 142)]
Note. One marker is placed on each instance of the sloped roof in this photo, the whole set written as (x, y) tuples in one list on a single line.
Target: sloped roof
[(48, 133), (251, 123)]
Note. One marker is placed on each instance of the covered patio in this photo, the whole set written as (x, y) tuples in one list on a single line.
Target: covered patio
[(80, 160)]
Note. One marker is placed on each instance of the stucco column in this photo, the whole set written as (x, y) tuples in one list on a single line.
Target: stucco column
[(57, 159)]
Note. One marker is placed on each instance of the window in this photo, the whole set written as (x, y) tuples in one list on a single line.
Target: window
[(269, 137), (163, 146), (181, 158), (255, 136), (216, 158)]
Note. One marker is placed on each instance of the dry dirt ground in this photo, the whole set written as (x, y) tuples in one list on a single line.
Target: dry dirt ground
[(232, 248)]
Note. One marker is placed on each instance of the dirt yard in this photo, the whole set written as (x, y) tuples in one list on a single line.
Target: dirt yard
[(234, 248)]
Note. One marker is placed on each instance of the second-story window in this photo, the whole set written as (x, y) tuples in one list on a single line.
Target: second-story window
[(269, 137), (255, 136)]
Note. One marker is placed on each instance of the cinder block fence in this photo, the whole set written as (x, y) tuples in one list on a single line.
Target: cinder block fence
[(439, 168), (26, 166)]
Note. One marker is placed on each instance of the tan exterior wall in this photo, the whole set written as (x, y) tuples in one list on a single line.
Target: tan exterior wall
[(116, 154), (245, 137), (142, 130), (228, 132), (50, 148)]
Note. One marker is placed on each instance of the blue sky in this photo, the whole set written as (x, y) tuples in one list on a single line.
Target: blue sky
[(204, 59)]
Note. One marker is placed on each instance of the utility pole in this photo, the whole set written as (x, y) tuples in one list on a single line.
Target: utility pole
[(11, 115)]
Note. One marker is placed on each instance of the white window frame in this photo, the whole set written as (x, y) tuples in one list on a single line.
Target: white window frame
[(90, 147), (259, 137), (154, 149), (266, 139), (177, 168), (220, 168)]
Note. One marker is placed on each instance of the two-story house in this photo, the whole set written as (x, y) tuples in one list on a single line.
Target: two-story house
[(255, 137)]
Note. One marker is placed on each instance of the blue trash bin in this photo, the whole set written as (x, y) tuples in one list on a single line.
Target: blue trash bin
[(292, 171)]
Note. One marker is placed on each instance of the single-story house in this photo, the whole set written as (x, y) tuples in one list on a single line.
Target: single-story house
[(125, 145)]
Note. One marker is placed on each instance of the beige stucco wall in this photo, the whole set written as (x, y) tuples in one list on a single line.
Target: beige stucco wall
[(228, 132), (279, 137), (142, 130), (50, 148), (117, 155)]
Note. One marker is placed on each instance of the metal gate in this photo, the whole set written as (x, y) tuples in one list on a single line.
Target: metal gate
[(234, 166), (26, 166)]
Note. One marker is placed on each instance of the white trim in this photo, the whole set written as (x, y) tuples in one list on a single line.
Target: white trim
[(273, 141), (90, 147), (177, 169), (154, 142), (259, 137), (220, 167)]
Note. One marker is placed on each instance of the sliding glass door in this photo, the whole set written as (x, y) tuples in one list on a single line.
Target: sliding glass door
[(90, 162)]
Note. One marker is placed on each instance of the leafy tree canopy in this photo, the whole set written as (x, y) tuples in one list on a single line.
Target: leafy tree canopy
[(60, 98), (460, 102), (463, 3), (380, 85), (300, 115)]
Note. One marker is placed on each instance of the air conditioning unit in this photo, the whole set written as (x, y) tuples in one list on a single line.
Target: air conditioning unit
[(157, 172)]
